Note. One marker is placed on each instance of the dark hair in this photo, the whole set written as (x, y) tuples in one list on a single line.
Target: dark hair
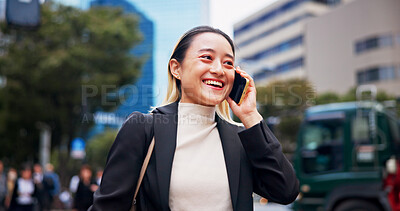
[(26, 166), (86, 167), (187, 38)]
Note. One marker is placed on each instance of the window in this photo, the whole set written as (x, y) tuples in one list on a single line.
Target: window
[(395, 129), (398, 39), (398, 71), (381, 41), (270, 15), (274, 29), (385, 41), (371, 43), (290, 65), (376, 74), (322, 145), (284, 46), (372, 74), (386, 73), (265, 73)]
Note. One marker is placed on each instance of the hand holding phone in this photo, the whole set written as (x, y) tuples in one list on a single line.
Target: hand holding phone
[(239, 88)]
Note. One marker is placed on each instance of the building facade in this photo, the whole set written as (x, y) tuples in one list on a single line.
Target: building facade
[(139, 95), (337, 45), (271, 42), (357, 43)]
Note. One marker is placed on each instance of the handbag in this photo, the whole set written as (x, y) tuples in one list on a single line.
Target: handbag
[(142, 172)]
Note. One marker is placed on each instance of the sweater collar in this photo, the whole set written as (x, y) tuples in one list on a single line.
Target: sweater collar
[(196, 113)]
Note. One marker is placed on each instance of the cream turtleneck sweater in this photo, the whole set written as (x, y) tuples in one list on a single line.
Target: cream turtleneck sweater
[(199, 179)]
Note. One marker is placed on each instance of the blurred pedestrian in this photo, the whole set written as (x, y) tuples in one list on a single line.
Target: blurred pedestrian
[(43, 187), (24, 194), (3, 187), (86, 187), (99, 175), (54, 178), (12, 176)]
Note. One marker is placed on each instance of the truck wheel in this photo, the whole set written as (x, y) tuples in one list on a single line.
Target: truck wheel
[(357, 205)]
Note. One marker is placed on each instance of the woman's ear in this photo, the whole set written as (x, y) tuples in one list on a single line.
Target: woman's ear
[(175, 68)]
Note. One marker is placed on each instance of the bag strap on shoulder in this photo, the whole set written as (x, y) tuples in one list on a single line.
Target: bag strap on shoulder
[(149, 127)]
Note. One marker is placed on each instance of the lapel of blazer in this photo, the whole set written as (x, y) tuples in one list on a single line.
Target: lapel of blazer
[(165, 130), (231, 146)]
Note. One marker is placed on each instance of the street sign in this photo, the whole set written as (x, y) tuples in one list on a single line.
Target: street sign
[(78, 148)]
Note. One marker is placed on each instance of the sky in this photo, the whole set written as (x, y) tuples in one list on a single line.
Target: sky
[(225, 13)]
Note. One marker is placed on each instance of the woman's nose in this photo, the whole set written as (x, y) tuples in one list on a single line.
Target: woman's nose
[(217, 68)]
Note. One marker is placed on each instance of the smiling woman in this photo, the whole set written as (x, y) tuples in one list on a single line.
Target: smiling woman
[(202, 160)]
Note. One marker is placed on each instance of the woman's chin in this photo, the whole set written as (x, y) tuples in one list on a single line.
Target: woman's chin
[(213, 101)]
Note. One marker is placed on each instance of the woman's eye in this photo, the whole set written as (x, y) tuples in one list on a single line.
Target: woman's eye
[(206, 57), (229, 63)]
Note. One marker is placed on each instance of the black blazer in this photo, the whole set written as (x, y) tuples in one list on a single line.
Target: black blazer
[(253, 157)]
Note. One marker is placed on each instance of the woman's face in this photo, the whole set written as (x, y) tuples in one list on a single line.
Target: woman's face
[(86, 174), (207, 71), (26, 174)]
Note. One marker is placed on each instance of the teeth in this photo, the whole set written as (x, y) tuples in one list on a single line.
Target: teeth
[(216, 83)]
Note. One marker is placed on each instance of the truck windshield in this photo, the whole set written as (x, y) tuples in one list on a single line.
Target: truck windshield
[(322, 145)]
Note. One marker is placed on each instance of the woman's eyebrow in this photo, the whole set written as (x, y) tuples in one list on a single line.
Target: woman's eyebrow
[(213, 51)]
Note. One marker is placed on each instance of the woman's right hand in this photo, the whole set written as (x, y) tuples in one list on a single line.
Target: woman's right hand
[(247, 111)]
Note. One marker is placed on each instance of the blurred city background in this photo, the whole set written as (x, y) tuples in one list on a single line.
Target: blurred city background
[(327, 74)]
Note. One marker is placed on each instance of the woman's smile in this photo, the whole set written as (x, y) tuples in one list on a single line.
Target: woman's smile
[(214, 83)]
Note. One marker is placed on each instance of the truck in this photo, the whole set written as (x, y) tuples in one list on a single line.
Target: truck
[(347, 157)]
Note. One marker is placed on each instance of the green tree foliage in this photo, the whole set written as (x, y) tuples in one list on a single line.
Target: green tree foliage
[(98, 147), (286, 100), (328, 97), (350, 95), (49, 71), (289, 126), (284, 97)]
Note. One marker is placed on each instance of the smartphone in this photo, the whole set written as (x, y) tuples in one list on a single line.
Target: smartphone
[(239, 88)]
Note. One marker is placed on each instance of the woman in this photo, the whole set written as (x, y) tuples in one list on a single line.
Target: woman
[(86, 187), (24, 194), (201, 161), (12, 176)]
